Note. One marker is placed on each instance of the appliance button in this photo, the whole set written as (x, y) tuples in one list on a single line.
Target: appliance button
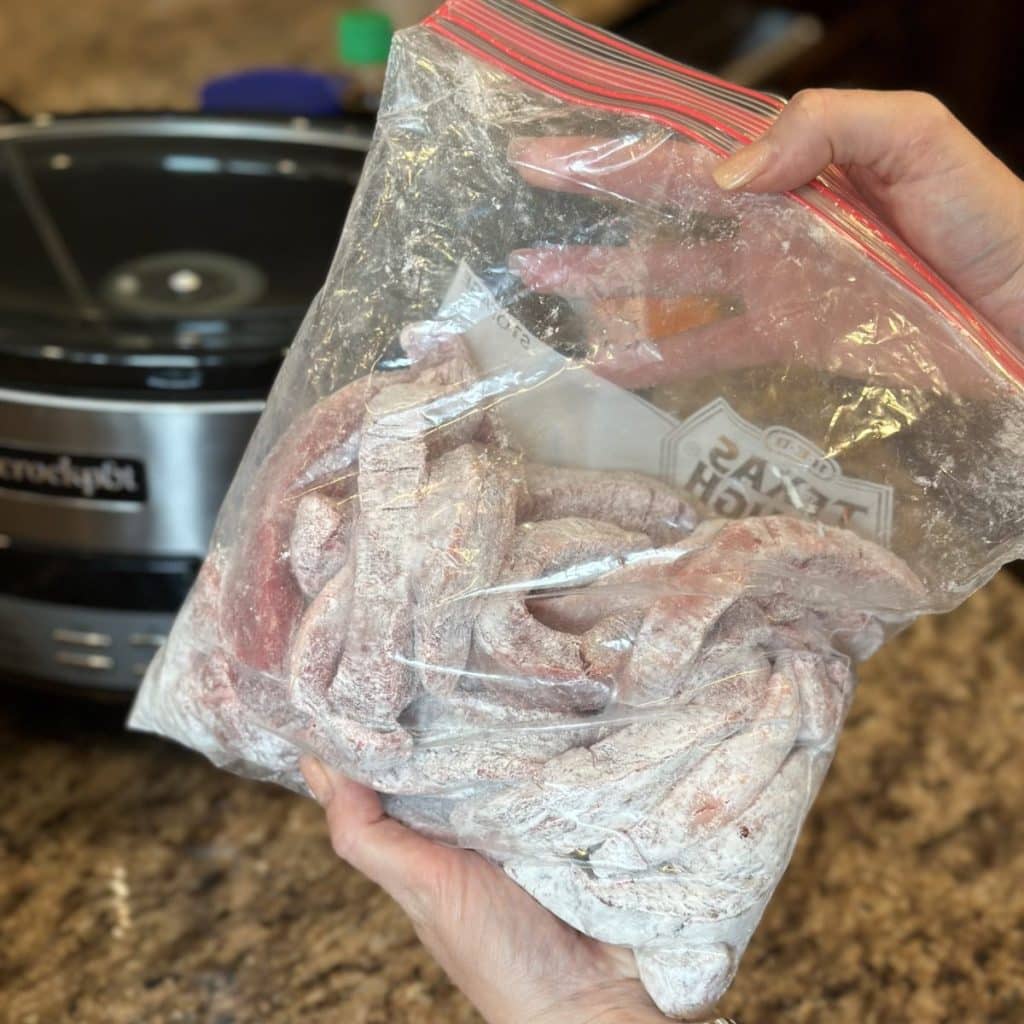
[(81, 638), (184, 281), (146, 639), (77, 659)]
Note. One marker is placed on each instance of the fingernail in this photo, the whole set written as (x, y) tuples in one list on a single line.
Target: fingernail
[(537, 268), (318, 780), (518, 260), (523, 264), (742, 167), (518, 148)]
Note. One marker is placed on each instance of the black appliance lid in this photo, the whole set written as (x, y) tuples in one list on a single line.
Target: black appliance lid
[(165, 253)]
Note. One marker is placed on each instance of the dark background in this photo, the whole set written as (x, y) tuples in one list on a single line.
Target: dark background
[(105, 54), (968, 54)]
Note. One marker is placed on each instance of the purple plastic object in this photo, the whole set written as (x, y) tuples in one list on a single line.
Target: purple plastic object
[(276, 91)]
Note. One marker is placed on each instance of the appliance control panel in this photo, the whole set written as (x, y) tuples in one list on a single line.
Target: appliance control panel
[(99, 649)]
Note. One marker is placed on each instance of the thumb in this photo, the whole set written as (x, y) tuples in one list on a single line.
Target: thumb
[(407, 866), (884, 131)]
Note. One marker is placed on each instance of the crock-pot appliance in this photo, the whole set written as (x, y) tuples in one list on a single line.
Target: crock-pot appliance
[(153, 269)]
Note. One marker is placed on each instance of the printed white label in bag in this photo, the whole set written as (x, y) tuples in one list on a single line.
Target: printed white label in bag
[(562, 413), (736, 469)]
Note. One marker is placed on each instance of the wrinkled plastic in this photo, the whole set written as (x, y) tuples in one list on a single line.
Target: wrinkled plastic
[(581, 492)]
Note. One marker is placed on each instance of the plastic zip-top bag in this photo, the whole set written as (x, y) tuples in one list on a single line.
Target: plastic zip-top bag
[(585, 485)]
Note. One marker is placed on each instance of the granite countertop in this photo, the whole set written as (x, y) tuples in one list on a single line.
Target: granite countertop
[(139, 885), (154, 54)]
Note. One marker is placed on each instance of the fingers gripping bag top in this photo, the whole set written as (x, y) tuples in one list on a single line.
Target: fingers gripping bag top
[(585, 486)]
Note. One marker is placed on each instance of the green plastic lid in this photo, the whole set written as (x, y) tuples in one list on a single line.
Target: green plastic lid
[(364, 37)]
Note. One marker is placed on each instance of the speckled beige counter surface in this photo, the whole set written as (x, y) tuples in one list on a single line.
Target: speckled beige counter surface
[(138, 885), (58, 55)]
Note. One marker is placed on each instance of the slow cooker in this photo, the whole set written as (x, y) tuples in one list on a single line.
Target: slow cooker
[(153, 269)]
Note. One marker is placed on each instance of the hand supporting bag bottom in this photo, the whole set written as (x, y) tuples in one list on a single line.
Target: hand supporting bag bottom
[(585, 486)]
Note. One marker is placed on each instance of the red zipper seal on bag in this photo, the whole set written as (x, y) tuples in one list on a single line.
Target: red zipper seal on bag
[(557, 54)]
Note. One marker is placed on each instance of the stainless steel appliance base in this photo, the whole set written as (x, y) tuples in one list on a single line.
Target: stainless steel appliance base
[(78, 647), (144, 313)]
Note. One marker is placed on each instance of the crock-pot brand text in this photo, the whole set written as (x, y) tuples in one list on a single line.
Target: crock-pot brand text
[(59, 475)]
